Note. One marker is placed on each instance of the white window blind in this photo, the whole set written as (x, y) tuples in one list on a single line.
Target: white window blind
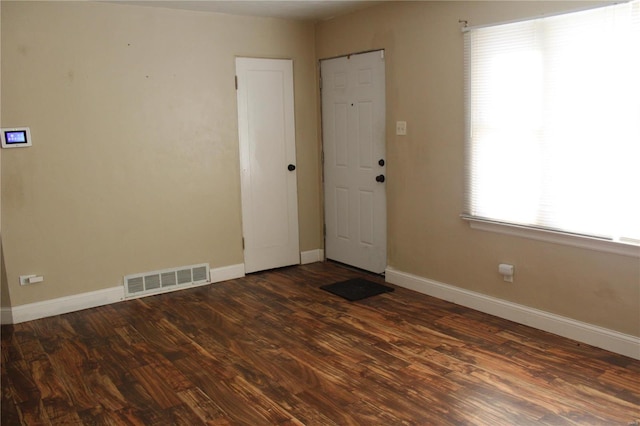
[(553, 123)]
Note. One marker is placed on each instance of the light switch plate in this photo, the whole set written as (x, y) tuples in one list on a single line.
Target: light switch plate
[(401, 128)]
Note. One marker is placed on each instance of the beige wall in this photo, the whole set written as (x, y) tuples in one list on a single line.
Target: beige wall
[(107, 191), (133, 116), (5, 296), (424, 60), (5, 299)]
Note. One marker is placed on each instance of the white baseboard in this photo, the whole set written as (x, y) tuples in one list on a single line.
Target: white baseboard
[(63, 305), (225, 273), (78, 302), (311, 256), (604, 338)]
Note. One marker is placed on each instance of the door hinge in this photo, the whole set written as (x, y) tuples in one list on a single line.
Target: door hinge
[(236, 79), (320, 83), (324, 230), (242, 243)]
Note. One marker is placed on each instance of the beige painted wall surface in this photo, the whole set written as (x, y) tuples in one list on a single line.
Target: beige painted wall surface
[(134, 165), (424, 60), (5, 299)]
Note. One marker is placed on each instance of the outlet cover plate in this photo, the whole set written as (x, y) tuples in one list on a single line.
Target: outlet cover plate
[(24, 279)]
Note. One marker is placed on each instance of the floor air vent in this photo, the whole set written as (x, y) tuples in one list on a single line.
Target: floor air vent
[(166, 280)]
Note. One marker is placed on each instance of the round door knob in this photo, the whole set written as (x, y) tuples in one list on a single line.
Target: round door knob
[(380, 178), (381, 162), (291, 167)]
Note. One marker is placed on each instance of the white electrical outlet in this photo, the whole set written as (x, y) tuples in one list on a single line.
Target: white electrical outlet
[(30, 279), (401, 128), (506, 271)]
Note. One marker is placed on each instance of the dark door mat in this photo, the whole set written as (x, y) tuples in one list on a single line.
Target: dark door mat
[(356, 289)]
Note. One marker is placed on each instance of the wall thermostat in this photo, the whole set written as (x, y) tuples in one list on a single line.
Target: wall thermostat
[(17, 137)]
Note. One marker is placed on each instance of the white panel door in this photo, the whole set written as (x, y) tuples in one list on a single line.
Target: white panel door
[(267, 163), (353, 128)]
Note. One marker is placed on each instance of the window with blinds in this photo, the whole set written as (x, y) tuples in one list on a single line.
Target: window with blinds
[(553, 123)]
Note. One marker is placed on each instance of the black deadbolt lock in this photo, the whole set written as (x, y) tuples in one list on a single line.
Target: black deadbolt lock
[(381, 162), (291, 167)]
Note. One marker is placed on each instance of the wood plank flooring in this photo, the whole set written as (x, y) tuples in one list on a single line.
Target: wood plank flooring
[(274, 349)]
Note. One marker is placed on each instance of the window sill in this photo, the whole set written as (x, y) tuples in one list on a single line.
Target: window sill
[(585, 242)]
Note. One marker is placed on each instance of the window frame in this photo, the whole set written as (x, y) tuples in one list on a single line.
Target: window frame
[(539, 233), (555, 237)]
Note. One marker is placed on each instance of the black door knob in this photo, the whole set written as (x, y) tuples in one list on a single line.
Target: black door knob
[(291, 167), (381, 162), (380, 178)]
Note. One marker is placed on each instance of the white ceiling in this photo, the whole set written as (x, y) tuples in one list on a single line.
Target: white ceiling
[(313, 10)]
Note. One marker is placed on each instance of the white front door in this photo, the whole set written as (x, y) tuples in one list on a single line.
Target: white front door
[(267, 163), (353, 128)]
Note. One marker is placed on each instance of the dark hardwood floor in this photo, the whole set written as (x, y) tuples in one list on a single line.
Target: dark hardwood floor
[(274, 349)]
